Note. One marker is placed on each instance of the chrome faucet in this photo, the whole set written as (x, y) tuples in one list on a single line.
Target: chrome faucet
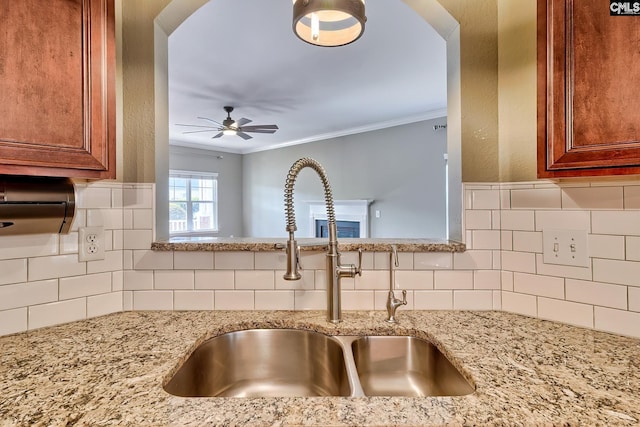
[(392, 302), (335, 270)]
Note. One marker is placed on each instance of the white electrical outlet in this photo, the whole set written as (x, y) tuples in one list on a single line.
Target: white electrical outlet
[(565, 247), (90, 243)]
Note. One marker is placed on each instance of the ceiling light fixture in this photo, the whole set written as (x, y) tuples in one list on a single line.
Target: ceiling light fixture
[(328, 22)]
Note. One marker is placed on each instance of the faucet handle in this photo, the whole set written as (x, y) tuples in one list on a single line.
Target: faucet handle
[(359, 267), (404, 297)]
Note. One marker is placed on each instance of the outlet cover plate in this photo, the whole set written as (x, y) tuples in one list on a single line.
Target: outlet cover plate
[(90, 243), (565, 247)]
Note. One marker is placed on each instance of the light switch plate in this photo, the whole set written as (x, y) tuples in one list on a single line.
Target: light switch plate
[(565, 247)]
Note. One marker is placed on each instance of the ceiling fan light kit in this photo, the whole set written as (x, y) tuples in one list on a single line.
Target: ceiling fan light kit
[(231, 127), (329, 23)]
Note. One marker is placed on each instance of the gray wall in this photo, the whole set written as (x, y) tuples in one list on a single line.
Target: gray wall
[(402, 168), (229, 169)]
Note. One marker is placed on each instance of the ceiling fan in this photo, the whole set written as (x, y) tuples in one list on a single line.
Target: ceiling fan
[(232, 127)]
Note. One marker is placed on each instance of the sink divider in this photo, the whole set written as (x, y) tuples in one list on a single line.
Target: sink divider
[(352, 373)]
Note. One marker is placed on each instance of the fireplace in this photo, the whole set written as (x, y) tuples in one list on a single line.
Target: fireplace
[(352, 218)]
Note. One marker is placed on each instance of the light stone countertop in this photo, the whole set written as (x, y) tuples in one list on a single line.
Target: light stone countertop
[(110, 371), (306, 244)]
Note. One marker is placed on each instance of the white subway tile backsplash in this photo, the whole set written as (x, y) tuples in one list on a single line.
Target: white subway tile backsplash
[(127, 219), (583, 273), (506, 280), (506, 240), (381, 261), (56, 266), (632, 197), (412, 279), (153, 300), (432, 260), (138, 197), (596, 293), (135, 280), (13, 321), (473, 300), (270, 261), (117, 281), (617, 321), (486, 279), (532, 284), (255, 279), (373, 279), (352, 258), (631, 248), (25, 294), (358, 300), (173, 279), (68, 243), (517, 220), (485, 199), (566, 312), (215, 279), (616, 222), (519, 261), (127, 300), (143, 219), (486, 239), (310, 300), (234, 261), (527, 241), (453, 279), (312, 260), (634, 299), (82, 286), (478, 220), (563, 220), (112, 262), (192, 260), (538, 198), (619, 272), (472, 260), (193, 300), (99, 305), (592, 198), (13, 271), (234, 300), (150, 260), (57, 312), (275, 300), (93, 197), (110, 219), (526, 305), (433, 300), (496, 222), (30, 245), (138, 239), (604, 246)]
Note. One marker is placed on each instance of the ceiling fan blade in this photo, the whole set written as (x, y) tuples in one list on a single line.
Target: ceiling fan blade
[(259, 127), (197, 126), (243, 121), (244, 135), (209, 120), (258, 130), (198, 131), (218, 135)]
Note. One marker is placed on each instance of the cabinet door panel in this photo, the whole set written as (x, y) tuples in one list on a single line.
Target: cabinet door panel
[(56, 85), (588, 85)]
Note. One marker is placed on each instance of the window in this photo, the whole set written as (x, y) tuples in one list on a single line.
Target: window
[(193, 202)]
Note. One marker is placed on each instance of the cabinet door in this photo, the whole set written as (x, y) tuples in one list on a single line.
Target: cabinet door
[(57, 93), (588, 90)]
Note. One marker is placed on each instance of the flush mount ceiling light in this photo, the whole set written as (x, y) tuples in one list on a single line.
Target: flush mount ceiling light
[(328, 22)]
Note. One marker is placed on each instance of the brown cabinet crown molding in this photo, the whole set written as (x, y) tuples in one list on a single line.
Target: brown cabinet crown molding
[(57, 68), (588, 86)]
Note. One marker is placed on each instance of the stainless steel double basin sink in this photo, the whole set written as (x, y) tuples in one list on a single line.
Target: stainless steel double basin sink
[(292, 363)]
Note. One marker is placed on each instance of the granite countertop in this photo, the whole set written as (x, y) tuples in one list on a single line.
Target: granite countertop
[(110, 371), (306, 244)]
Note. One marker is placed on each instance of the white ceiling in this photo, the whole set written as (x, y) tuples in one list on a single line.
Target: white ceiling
[(243, 53)]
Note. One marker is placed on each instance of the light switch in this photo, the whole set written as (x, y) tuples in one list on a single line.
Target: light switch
[(565, 247)]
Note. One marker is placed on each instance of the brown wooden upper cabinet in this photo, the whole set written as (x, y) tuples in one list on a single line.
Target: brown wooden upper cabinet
[(57, 88), (588, 89)]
